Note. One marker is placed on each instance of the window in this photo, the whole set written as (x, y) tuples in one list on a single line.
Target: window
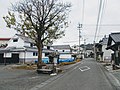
[(75, 47), (15, 40), (46, 54), (35, 54), (31, 45), (48, 47)]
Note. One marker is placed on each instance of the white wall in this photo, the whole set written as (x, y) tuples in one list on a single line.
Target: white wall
[(22, 55), (28, 56), (107, 53), (62, 56), (18, 44), (8, 55), (26, 44)]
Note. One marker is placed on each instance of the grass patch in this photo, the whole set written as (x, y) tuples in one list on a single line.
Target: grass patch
[(66, 63), (78, 60), (26, 67)]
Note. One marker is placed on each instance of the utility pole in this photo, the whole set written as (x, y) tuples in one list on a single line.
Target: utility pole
[(79, 28), (94, 51), (84, 48)]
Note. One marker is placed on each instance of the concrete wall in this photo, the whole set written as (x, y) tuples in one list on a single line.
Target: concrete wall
[(29, 57)]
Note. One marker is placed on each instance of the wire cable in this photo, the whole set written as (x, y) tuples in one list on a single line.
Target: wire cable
[(103, 25), (83, 10), (101, 18), (98, 19)]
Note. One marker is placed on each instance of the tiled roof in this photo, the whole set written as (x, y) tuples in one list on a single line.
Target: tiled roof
[(61, 46), (115, 37), (4, 39)]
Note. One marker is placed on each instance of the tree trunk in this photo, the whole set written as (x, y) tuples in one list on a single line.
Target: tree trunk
[(39, 64)]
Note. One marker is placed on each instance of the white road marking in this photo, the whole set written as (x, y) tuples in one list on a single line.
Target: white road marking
[(84, 68), (76, 67), (34, 77)]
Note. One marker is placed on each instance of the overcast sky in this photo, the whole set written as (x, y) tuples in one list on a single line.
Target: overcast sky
[(110, 20)]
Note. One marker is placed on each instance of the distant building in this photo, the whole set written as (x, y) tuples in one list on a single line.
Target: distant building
[(65, 53)]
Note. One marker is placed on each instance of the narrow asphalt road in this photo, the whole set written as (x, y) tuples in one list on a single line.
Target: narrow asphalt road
[(88, 75)]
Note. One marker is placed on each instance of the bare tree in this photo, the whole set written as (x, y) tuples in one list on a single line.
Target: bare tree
[(41, 20)]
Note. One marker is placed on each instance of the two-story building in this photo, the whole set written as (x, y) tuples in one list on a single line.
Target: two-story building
[(21, 49)]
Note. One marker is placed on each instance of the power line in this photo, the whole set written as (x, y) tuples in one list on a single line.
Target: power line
[(83, 10), (97, 27), (102, 25), (101, 18), (92, 35), (71, 41), (98, 18)]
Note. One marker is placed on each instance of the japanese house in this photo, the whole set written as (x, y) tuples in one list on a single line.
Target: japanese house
[(114, 45)]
